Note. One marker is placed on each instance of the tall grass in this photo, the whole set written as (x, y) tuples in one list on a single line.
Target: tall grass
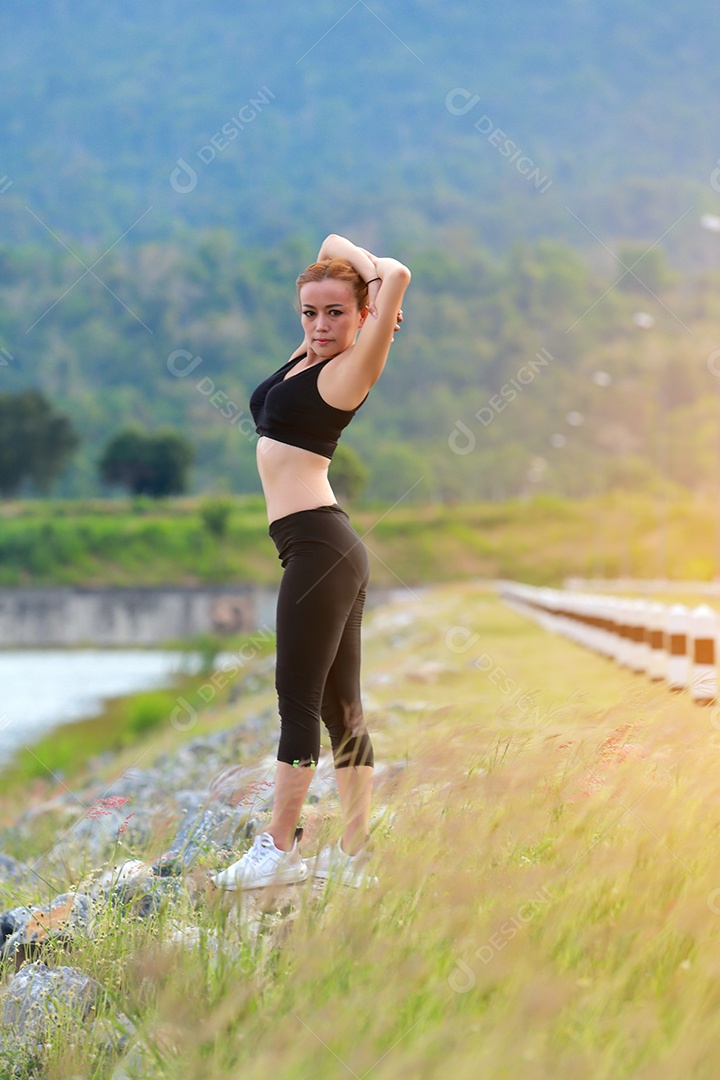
[(549, 896)]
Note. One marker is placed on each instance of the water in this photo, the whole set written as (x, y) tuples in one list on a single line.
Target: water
[(42, 689)]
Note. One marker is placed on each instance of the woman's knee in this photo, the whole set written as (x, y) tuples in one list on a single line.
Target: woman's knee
[(353, 750)]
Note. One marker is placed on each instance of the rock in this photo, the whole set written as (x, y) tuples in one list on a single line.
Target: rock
[(211, 829), (27, 1002), (141, 1060), (97, 834), (38, 995), (134, 885), (24, 931), (124, 814), (138, 1064), (132, 870), (10, 922), (12, 871)]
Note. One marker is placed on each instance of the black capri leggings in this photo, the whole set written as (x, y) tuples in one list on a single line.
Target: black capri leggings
[(319, 614)]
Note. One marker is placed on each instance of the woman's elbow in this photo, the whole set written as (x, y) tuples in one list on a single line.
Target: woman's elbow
[(335, 243), (401, 274)]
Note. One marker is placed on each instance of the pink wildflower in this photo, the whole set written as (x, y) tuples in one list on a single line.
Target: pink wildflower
[(123, 827), (104, 807)]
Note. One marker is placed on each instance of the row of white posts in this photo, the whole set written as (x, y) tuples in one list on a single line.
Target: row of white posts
[(672, 643)]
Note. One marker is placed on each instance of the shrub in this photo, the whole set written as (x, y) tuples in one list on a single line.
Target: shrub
[(215, 515), (147, 711)]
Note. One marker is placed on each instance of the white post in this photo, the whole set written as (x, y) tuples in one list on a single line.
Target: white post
[(642, 653), (703, 630), (657, 665), (625, 644), (676, 643)]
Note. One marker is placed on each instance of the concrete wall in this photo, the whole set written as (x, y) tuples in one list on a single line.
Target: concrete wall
[(128, 616)]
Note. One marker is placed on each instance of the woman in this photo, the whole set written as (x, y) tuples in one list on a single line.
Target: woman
[(300, 412)]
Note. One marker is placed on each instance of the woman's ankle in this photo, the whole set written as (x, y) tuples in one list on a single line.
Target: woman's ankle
[(354, 844)]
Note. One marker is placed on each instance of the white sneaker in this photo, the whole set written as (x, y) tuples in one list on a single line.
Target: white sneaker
[(262, 865), (334, 864)]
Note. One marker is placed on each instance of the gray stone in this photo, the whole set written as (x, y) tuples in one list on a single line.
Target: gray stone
[(138, 1064), (208, 830), (34, 1000), (132, 885), (23, 929), (35, 995), (12, 871), (11, 922), (92, 839)]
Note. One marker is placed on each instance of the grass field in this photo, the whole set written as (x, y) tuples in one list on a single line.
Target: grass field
[(541, 540), (549, 897)]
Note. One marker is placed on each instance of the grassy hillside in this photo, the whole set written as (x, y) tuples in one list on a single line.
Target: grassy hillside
[(541, 540), (548, 895)]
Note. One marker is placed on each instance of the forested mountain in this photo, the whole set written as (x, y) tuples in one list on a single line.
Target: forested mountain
[(532, 372), (167, 168), (379, 116)]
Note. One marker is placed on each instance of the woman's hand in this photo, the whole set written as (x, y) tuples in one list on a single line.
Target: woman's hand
[(373, 289), (371, 268)]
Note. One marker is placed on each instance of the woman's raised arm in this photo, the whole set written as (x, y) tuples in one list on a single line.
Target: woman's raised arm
[(337, 247), (388, 279)]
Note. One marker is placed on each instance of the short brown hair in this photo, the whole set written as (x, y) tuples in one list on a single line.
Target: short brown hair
[(338, 270)]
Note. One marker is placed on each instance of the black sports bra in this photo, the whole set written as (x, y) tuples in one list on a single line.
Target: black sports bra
[(293, 412)]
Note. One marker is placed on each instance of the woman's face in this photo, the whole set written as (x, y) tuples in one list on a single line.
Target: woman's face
[(329, 316)]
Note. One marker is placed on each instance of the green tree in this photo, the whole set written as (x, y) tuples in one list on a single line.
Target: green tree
[(348, 474), (648, 269), (400, 473), (146, 464), (215, 515), (36, 442)]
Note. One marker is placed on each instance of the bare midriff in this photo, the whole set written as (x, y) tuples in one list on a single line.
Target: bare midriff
[(293, 479)]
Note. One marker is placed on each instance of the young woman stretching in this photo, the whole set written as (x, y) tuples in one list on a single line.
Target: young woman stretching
[(350, 303)]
